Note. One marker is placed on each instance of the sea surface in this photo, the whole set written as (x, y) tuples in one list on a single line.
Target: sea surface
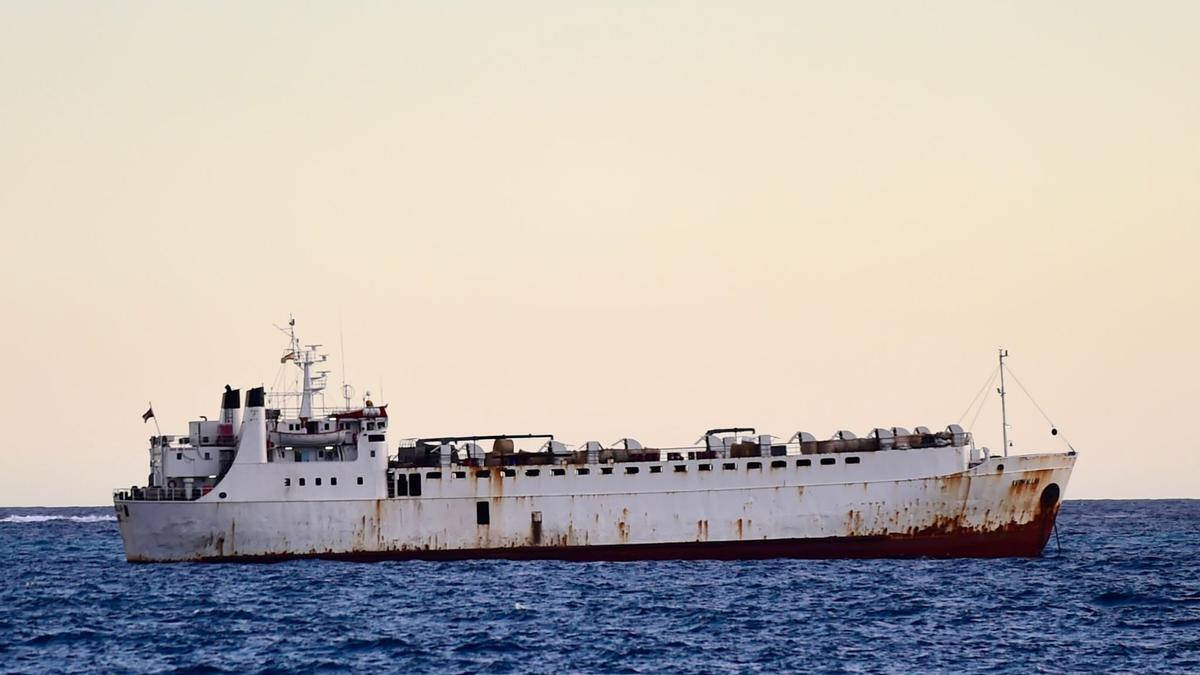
[(1122, 594)]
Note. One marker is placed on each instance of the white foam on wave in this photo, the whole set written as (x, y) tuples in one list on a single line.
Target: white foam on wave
[(41, 518)]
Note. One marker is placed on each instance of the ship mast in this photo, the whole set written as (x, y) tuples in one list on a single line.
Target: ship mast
[(1003, 407), (304, 359)]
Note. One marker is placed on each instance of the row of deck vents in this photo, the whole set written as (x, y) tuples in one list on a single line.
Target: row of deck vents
[(898, 437)]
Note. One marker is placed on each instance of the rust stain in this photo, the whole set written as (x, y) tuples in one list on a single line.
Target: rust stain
[(738, 527), (853, 522), (496, 480)]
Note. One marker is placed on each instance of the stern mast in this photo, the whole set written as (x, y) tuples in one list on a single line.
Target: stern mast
[(304, 359)]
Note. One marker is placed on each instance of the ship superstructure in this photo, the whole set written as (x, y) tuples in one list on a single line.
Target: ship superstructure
[(267, 481)]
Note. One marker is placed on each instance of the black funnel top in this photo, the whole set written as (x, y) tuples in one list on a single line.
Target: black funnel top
[(231, 399), (255, 398)]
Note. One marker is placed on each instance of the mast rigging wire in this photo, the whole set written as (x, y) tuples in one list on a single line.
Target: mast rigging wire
[(978, 394), (1039, 408)]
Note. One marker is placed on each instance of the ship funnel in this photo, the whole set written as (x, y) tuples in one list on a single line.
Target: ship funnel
[(231, 415), (252, 446)]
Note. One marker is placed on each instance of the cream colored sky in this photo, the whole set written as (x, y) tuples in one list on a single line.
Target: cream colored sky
[(603, 220)]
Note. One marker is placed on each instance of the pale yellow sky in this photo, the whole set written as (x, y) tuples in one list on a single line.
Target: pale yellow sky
[(603, 220)]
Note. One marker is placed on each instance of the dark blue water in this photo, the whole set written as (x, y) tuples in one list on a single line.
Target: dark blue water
[(1123, 594)]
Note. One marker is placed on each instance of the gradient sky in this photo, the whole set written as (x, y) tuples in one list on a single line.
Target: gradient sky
[(604, 220)]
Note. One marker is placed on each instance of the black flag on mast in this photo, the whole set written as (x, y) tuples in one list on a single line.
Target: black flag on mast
[(148, 414)]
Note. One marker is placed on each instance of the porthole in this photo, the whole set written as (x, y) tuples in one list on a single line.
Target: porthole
[(804, 462), (222, 495), (826, 461), (853, 460)]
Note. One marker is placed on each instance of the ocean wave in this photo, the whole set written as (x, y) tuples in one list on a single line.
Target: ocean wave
[(41, 518)]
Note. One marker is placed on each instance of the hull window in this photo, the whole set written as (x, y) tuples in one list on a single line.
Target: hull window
[(483, 514)]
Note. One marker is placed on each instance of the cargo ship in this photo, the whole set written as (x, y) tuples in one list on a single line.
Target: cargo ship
[(268, 481)]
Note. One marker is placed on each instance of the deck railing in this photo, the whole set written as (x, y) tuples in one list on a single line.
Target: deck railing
[(158, 494)]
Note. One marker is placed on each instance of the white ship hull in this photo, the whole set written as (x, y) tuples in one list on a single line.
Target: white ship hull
[(890, 503)]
